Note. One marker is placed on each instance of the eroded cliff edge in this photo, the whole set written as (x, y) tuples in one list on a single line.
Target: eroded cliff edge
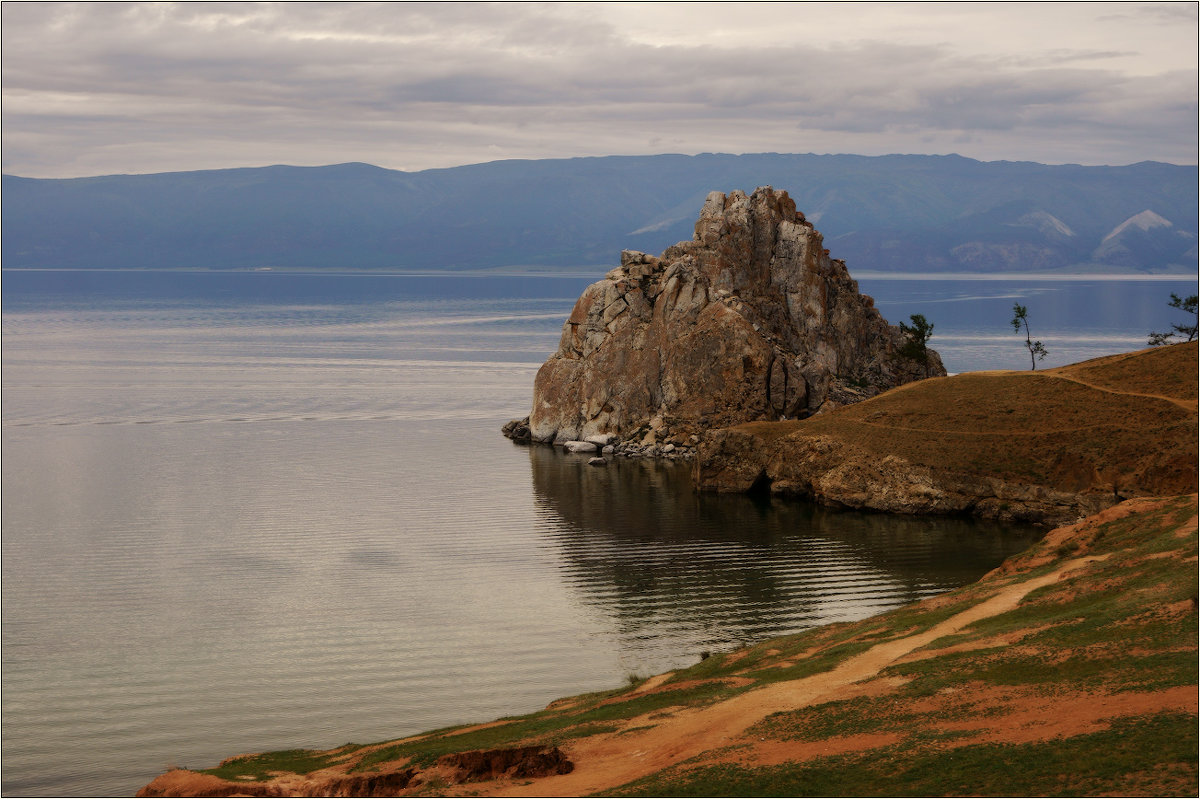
[(751, 320), (1045, 447)]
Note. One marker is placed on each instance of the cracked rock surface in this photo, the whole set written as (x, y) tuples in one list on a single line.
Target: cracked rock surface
[(750, 320)]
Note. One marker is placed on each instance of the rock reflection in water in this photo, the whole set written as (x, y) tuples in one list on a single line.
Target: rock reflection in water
[(680, 572)]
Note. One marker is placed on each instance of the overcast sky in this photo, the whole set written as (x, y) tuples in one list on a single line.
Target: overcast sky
[(102, 88)]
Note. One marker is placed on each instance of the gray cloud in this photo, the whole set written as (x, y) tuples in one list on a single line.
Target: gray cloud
[(92, 88), (1160, 13)]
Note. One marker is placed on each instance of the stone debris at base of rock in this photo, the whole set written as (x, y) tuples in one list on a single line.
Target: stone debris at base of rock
[(685, 449)]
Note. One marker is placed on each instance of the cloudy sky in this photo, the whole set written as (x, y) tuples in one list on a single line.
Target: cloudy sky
[(102, 88)]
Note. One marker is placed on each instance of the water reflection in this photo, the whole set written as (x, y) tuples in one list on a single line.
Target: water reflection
[(714, 571)]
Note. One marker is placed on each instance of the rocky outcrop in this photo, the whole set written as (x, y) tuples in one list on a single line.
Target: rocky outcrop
[(453, 769), (1044, 447), (523, 762), (839, 474), (750, 320), (388, 783)]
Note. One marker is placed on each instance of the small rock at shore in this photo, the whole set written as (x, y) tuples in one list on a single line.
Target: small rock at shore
[(579, 446), (517, 430), (597, 461)]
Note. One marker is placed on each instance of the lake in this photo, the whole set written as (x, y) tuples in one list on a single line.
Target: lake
[(263, 510)]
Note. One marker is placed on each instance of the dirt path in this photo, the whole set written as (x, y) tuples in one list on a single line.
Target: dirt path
[(1187, 405), (606, 761)]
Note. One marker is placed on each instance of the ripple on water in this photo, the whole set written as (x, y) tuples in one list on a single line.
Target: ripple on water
[(237, 528)]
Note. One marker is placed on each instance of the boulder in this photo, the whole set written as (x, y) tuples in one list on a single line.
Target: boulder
[(517, 430), (579, 446), (750, 320)]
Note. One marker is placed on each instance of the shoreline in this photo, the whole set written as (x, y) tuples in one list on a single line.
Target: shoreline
[(1084, 642), (682, 724)]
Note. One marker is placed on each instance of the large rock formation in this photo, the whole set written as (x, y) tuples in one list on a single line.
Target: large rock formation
[(751, 320)]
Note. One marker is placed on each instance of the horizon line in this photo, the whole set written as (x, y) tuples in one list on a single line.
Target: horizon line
[(597, 157)]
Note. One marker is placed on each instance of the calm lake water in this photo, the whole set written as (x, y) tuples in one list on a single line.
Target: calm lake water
[(259, 511)]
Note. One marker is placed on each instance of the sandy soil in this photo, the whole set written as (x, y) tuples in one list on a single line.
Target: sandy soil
[(966, 713), (606, 761)]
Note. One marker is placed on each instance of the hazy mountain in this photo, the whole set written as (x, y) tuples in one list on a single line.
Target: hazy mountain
[(910, 213), (1144, 236)]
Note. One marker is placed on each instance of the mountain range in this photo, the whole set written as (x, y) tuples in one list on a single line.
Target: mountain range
[(896, 213)]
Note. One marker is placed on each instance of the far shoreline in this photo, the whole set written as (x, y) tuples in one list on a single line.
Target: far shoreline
[(597, 270)]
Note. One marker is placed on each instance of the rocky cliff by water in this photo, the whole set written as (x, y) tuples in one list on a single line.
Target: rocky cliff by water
[(1045, 447), (751, 320)]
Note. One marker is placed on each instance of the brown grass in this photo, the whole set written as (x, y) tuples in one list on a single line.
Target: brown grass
[(1124, 422)]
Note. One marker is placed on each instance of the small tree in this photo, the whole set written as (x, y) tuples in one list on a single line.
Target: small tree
[(918, 335), (1186, 304), (1036, 351)]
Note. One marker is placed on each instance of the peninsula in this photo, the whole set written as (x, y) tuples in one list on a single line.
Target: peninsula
[(1070, 669), (1044, 447)]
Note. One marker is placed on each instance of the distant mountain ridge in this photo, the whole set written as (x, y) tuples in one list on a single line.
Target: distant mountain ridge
[(896, 213)]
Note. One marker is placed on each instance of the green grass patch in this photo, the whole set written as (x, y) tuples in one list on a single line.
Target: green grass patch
[(833, 643), (738, 663), (641, 728), (294, 761), (825, 660), (1118, 672), (861, 716), (833, 719), (1095, 607), (1148, 531), (548, 727), (1163, 744)]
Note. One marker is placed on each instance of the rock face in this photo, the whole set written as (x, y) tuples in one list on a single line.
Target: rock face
[(1044, 447), (519, 763), (832, 472), (751, 320)]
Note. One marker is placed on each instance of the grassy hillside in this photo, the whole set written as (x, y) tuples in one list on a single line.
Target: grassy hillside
[(1070, 670), (1116, 416), (1087, 686), (1085, 436)]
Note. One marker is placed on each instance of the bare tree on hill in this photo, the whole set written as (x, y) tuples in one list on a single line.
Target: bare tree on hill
[(1021, 317)]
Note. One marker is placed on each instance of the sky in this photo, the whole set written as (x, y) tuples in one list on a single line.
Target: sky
[(108, 88)]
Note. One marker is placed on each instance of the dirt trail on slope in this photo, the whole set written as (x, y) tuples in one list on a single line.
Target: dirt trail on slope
[(607, 761), (1187, 405)]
